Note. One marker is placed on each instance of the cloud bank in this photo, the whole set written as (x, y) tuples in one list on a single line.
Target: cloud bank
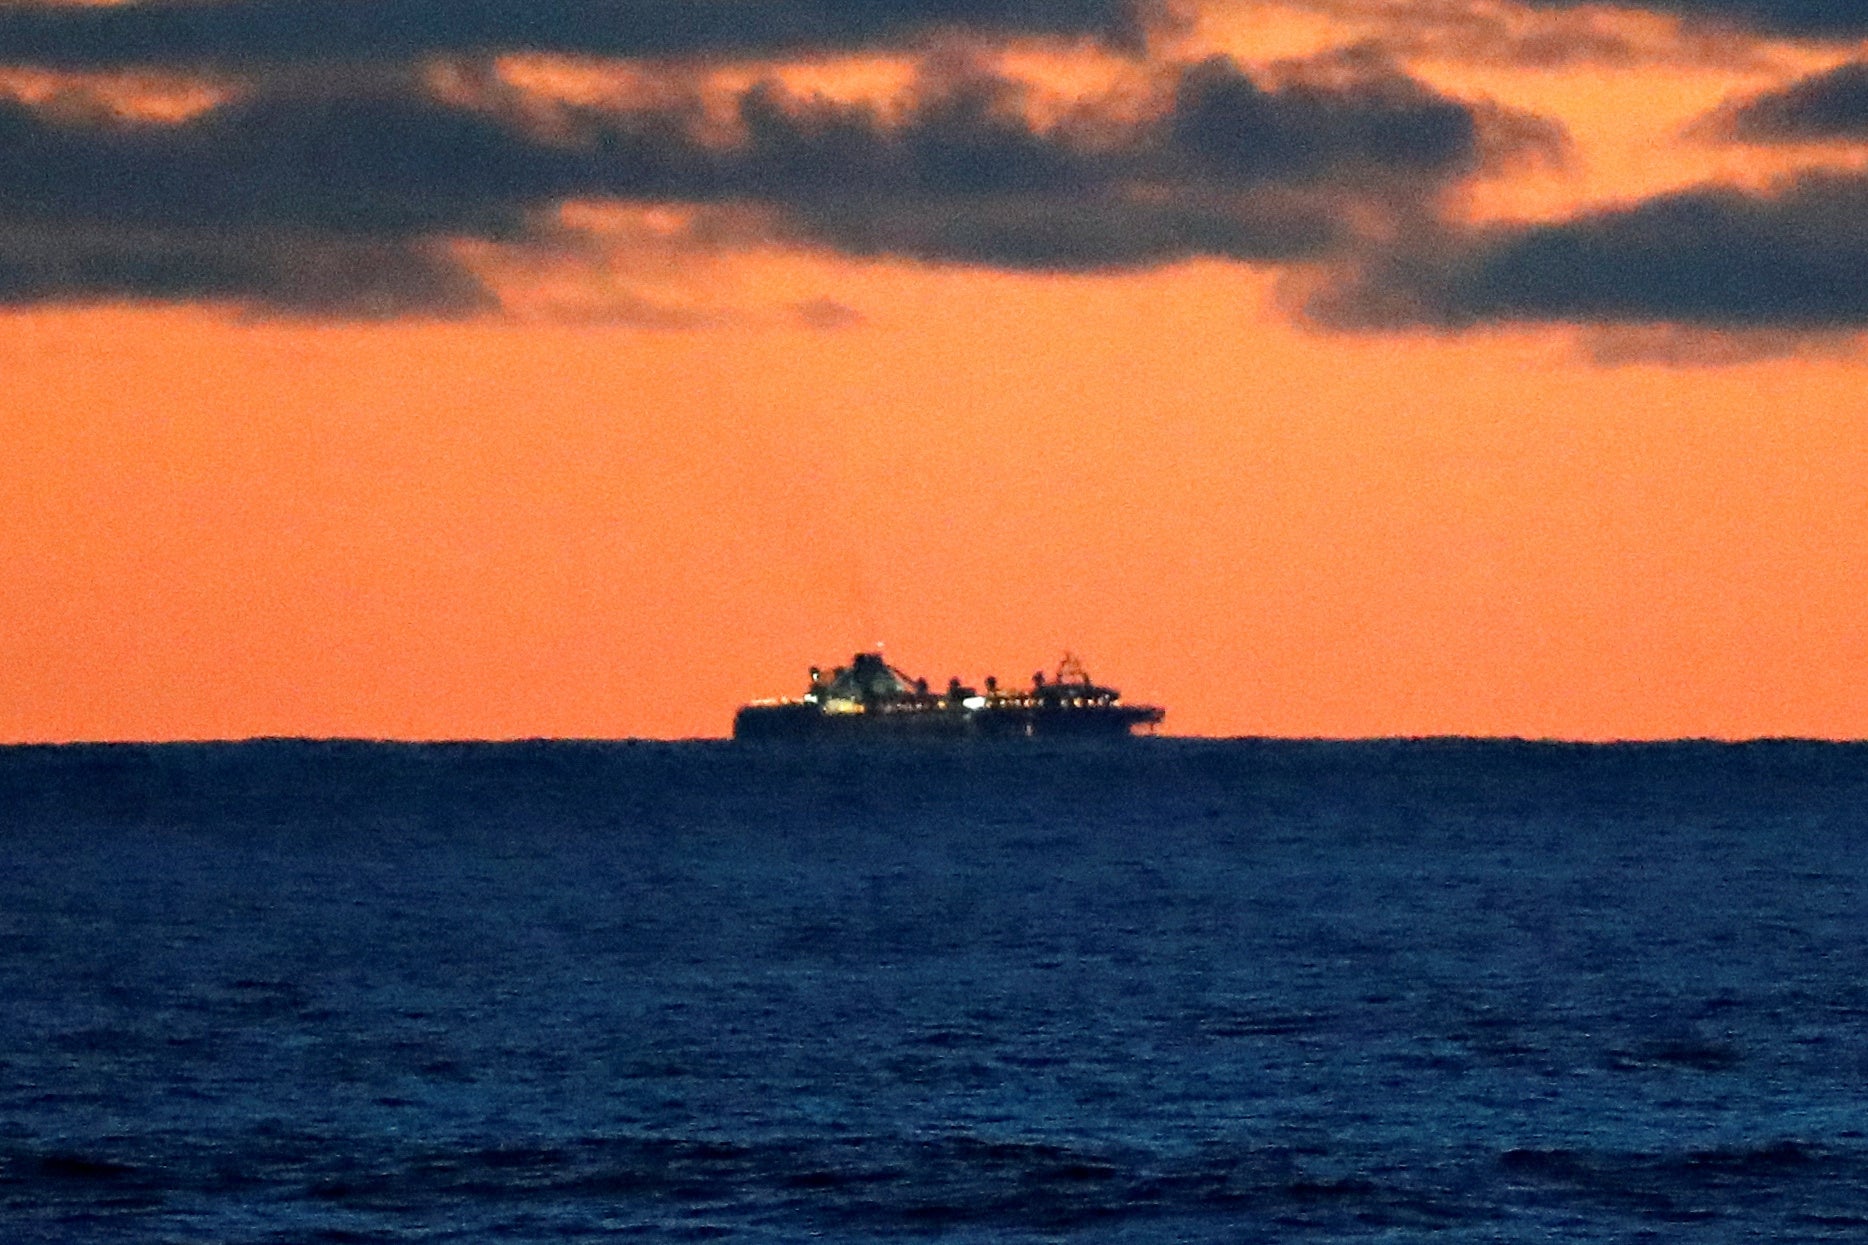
[(273, 197), (1769, 265), (1826, 107), (242, 35), (1835, 19), (338, 180), (255, 36), (1795, 258)]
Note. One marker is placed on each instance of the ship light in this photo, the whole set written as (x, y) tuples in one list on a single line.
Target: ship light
[(810, 698), (974, 702)]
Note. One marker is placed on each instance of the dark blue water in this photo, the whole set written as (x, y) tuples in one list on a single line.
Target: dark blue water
[(1225, 991)]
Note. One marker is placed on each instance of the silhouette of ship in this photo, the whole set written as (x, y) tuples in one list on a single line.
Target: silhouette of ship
[(870, 699)]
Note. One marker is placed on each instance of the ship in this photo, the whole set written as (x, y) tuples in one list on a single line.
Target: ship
[(871, 700)]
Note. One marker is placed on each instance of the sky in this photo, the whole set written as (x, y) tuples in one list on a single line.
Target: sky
[(432, 369)]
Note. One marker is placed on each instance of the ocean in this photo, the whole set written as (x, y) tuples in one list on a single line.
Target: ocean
[(1180, 990)]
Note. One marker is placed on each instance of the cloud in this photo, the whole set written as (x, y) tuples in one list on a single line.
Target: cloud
[(1383, 121), (1673, 345), (247, 35), (279, 274), (827, 313), (269, 196), (1793, 259), (1229, 167), (1831, 19), (385, 163), (1507, 32), (1826, 107)]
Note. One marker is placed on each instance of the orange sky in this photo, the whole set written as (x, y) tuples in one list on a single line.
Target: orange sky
[(218, 526)]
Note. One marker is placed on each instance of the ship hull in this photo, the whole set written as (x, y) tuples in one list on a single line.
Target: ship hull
[(808, 722)]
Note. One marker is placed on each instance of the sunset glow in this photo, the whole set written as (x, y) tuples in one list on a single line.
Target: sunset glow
[(609, 457)]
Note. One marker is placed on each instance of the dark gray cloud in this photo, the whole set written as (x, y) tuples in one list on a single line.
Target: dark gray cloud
[(1715, 257), (242, 35), (383, 164), (385, 174), (1230, 168), (1242, 132), (1807, 18), (1826, 107), (283, 274)]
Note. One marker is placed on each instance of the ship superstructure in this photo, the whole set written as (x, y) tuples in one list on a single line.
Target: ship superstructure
[(869, 698)]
